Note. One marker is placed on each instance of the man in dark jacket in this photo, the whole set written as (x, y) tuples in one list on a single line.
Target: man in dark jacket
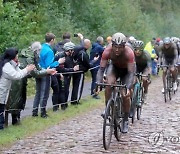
[(56, 82), (97, 50), (81, 58), (59, 46), (67, 68)]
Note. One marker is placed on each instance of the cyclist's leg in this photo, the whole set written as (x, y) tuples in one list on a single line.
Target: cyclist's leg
[(173, 71), (110, 79), (164, 75), (145, 81), (126, 102)]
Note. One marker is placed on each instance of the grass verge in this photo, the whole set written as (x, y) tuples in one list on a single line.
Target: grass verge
[(32, 125)]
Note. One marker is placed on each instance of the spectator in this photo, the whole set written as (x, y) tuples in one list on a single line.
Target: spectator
[(9, 71), (17, 96), (130, 42), (68, 66), (150, 48), (96, 51), (55, 81), (43, 83), (59, 46), (108, 40), (81, 58)]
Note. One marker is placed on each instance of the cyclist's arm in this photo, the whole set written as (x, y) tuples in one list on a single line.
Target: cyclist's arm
[(131, 66), (176, 56), (103, 64), (130, 75), (101, 70)]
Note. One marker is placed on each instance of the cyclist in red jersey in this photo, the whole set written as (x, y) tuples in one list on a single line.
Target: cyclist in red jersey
[(122, 64)]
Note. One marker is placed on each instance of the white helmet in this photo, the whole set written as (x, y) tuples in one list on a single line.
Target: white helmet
[(174, 39), (138, 44), (167, 40), (69, 46), (131, 39), (119, 39)]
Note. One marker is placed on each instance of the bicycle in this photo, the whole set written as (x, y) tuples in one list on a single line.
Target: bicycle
[(138, 96), (113, 114), (169, 83)]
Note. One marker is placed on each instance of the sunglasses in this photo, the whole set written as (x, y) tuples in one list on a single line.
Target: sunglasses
[(70, 50), (138, 49)]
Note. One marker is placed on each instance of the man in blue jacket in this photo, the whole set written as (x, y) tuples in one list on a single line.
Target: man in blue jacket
[(96, 51), (43, 83)]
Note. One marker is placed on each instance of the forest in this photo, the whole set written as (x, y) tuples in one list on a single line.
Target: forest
[(25, 21)]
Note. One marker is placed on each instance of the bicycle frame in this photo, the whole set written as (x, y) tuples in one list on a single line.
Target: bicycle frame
[(168, 83), (138, 94), (113, 113)]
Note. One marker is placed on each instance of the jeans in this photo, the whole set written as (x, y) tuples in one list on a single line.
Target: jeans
[(93, 83), (42, 94), (154, 67)]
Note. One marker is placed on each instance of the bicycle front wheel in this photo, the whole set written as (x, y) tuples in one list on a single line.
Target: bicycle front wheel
[(134, 103), (141, 99), (108, 124), (170, 86), (118, 118), (166, 90)]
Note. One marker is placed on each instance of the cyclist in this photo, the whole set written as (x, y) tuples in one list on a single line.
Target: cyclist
[(122, 65), (143, 63), (169, 56), (130, 41)]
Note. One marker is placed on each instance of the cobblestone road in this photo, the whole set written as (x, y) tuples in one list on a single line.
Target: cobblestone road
[(158, 131)]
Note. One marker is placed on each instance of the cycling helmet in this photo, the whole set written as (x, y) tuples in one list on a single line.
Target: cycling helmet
[(167, 40), (119, 39), (131, 39), (174, 39), (138, 44), (69, 46)]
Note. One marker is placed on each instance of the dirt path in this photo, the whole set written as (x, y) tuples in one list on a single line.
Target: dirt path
[(158, 131)]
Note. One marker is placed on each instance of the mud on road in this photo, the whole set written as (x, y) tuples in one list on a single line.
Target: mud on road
[(158, 131)]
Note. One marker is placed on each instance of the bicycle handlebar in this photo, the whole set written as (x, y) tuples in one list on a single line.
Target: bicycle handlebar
[(112, 85), (142, 75), (168, 65)]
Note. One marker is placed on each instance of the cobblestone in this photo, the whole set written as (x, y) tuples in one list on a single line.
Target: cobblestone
[(156, 132)]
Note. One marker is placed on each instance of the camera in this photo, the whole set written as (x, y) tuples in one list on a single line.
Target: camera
[(75, 35), (96, 55)]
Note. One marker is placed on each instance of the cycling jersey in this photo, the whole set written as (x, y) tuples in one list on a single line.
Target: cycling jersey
[(119, 61), (143, 61)]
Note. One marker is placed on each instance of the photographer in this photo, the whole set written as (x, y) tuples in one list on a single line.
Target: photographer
[(81, 58)]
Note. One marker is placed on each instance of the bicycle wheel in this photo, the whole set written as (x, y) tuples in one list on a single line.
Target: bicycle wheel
[(134, 103), (141, 99), (169, 86), (166, 90), (108, 124), (118, 118)]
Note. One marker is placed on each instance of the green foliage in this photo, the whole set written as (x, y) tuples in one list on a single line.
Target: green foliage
[(23, 22)]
